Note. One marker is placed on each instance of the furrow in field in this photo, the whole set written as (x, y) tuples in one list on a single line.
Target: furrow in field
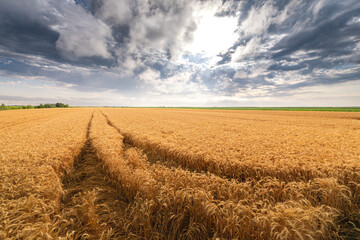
[(320, 184), (235, 169), (182, 204), (152, 153), (250, 190), (33, 161), (113, 188), (92, 207), (320, 147)]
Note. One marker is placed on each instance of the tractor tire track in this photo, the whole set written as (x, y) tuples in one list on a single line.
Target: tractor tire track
[(153, 153), (92, 207)]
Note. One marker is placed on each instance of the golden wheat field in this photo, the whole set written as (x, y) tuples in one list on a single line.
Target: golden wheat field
[(132, 173)]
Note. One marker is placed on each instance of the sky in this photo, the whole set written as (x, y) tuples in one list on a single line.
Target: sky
[(180, 52)]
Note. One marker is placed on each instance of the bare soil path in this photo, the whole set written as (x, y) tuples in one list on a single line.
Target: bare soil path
[(92, 206)]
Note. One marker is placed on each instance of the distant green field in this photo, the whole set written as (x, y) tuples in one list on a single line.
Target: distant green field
[(327, 109), (47, 105)]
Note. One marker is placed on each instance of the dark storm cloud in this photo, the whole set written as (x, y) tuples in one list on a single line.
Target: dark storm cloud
[(23, 32), (317, 41), (46, 28), (334, 36), (108, 44), (23, 36), (326, 30), (280, 67), (96, 32), (78, 77)]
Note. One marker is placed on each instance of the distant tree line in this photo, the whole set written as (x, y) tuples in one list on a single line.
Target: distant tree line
[(50, 105), (47, 105)]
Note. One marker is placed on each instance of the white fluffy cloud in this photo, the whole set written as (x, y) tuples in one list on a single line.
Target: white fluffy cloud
[(81, 34), (226, 49), (116, 11), (150, 76), (163, 25)]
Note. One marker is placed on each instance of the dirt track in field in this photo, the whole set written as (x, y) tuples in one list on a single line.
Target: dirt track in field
[(152, 154), (91, 203)]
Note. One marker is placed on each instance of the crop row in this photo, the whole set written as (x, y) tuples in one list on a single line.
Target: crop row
[(184, 204), (33, 158), (255, 149)]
